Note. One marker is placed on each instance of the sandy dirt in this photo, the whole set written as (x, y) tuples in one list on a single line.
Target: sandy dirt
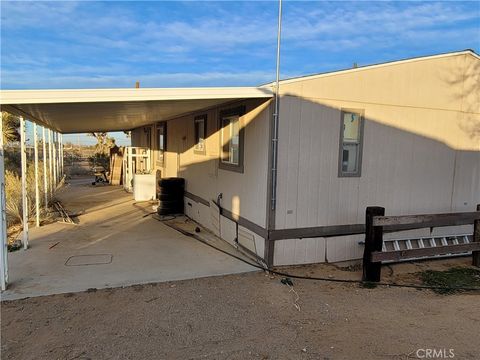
[(248, 316)]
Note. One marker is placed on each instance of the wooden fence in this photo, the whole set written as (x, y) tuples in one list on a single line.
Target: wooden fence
[(376, 223)]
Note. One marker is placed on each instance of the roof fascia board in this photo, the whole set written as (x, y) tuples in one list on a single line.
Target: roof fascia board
[(56, 96), (14, 110)]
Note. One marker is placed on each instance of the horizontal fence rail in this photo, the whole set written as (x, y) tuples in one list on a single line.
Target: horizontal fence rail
[(398, 255), (376, 223), (428, 220)]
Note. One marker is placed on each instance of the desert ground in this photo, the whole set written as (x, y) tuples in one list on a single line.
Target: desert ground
[(247, 316)]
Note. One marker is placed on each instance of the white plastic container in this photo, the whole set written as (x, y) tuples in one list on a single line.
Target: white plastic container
[(144, 187)]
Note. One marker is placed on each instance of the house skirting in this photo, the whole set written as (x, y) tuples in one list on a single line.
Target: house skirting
[(297, 246)]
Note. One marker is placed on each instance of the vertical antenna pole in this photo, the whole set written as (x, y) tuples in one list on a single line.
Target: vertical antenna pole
[(277, 112)]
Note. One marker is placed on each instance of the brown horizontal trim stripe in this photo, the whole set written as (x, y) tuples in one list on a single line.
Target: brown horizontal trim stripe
[(257, 229), (308, 232), (317, 231), (196, 198)]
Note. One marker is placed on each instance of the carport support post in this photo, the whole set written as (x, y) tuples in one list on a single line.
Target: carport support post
[(23, 150), (54, 160), (57, 147), (50, 177), (3, 216), (373, 242), (45, 179), (37, 191), (60, 145), (59, 176), (61, 155)]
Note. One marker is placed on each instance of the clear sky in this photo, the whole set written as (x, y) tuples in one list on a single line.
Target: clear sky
[(86, 44)]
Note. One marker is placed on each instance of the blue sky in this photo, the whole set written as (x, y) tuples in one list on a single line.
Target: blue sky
[(67, 44)]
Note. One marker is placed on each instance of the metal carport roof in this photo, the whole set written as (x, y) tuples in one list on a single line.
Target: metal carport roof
[(91, 110)]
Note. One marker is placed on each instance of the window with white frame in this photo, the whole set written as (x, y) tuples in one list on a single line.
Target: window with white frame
[(351, 143), (200, 123), (231, 137)]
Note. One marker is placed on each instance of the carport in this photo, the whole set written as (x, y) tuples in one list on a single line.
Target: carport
[(142, 239), (116, 243)]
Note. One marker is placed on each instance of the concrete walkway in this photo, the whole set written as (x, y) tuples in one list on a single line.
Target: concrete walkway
[(113, 245)]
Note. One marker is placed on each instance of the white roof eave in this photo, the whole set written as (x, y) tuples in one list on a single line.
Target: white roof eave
[(92, 110), (56, 96)]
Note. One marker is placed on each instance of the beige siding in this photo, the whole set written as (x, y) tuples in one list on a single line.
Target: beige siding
[(421, 153), (415, 158), (251, 241), (421, 149), (299, 251), (244, 194), (426, 83), (446, 89), (135, 137)]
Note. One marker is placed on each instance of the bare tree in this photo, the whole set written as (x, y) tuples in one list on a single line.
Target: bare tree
[(104, 142)]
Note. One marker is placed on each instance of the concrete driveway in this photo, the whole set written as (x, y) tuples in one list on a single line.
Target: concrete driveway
[(116, 243)]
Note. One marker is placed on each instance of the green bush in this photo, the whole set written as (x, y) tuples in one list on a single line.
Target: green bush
[(449, 281), (100, 160), (12, 159), (71, 156)]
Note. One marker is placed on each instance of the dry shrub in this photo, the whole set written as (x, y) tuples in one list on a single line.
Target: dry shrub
[(13, 192)]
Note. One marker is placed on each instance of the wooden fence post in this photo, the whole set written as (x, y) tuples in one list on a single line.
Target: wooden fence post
[(373, 242), (476, 238)]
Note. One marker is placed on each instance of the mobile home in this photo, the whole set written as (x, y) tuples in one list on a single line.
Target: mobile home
[(404, 135)]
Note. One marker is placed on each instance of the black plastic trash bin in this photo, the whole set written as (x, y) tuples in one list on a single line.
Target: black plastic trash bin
[(170, 194)]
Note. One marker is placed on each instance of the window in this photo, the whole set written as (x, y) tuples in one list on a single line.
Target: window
[(351, 140), (148, 136), (161, 143), (231, 137), (200, 133)]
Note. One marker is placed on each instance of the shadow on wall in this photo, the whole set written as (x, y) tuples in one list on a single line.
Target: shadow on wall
[(243, 188), (415, 160), (402, 171), (468, 80)]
